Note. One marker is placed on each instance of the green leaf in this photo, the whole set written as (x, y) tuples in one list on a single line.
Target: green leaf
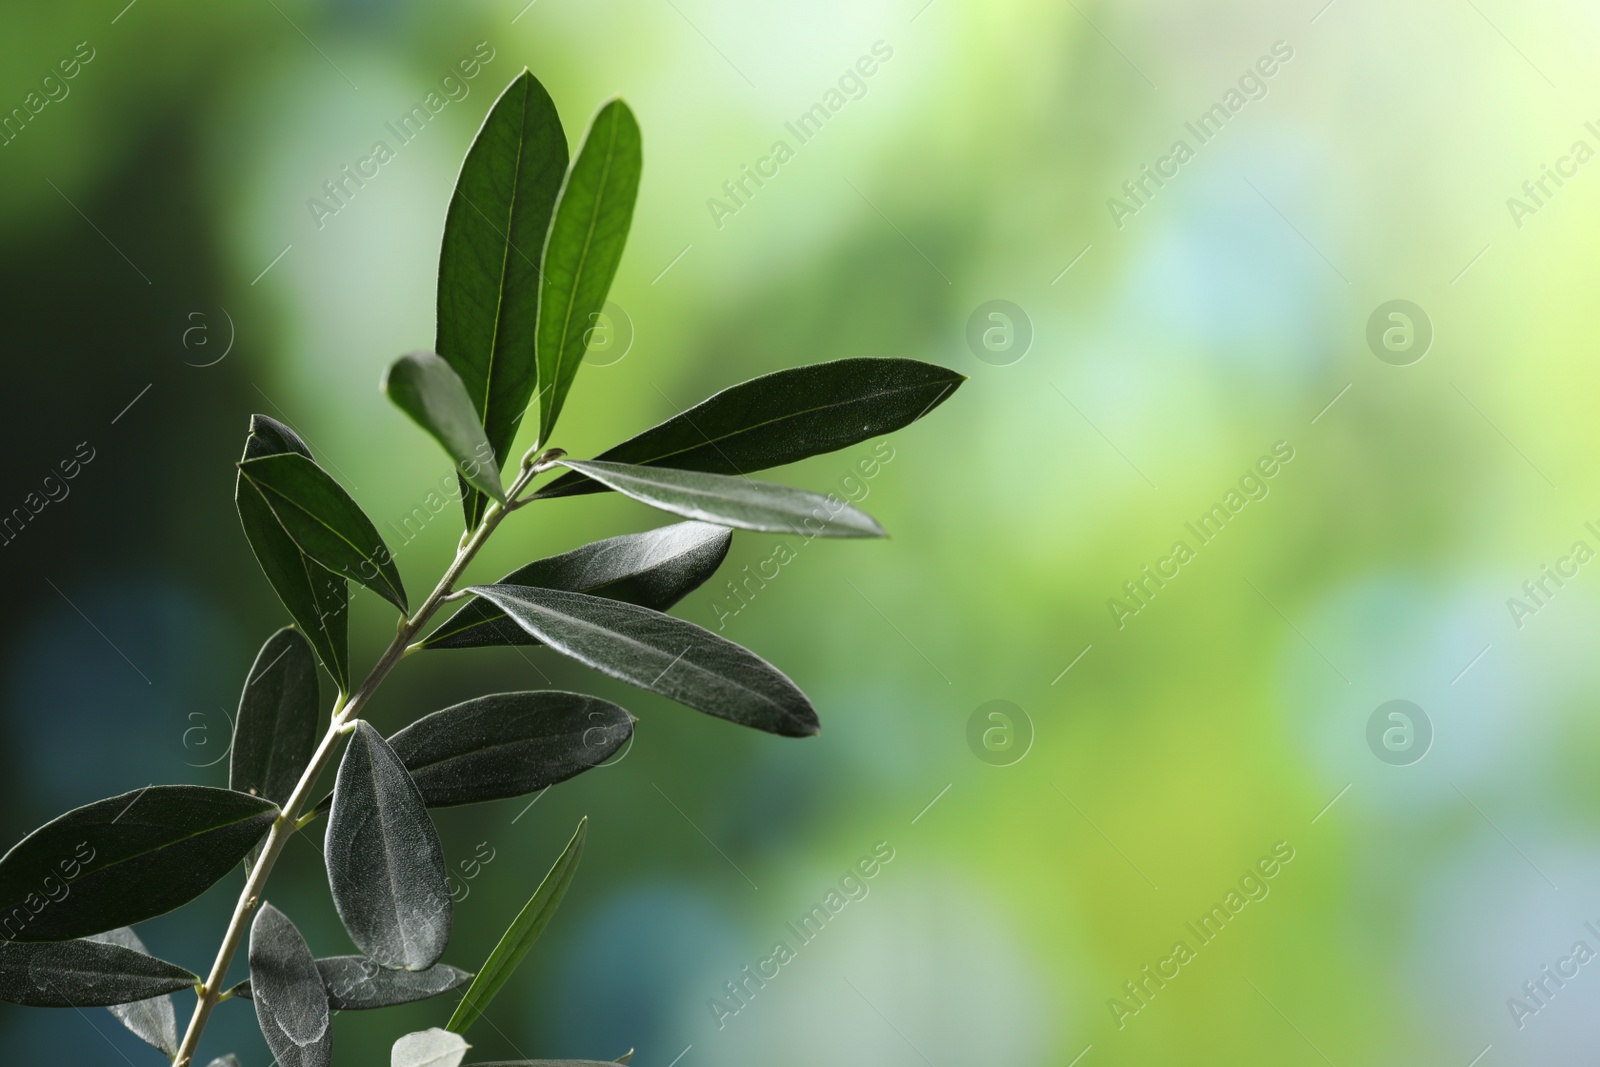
[(520, 935), (677, 659), (783, 417), (656, 569), (424, 386), (729, 501), (429, 1048), (355, 983), (125, 859), (291, 1005), (84, 974), (275, 732), (324, 522), (269, 437), (509, 744), (317, 599), (583, 249), (494, 233), (151, 1019), (385, 864)]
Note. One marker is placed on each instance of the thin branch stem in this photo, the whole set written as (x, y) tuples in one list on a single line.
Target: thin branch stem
[(345, 711)]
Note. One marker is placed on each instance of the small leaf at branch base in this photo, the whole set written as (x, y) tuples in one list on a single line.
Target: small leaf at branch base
[(509, 744), (582, 250), (84, 974), (655, 569), (153, 1020), (125, 859), (743, 503), (677, 659), (275, 732), (291, 1004), (423, 385), (385, 864), (520, 936), (783, 417), (429, 1048)]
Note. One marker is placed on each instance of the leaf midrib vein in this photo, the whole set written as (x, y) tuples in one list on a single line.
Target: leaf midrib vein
[(709, 441), (636, 643), (577, 274)]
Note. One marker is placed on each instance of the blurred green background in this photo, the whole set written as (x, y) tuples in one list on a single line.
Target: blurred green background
[(162, 277)]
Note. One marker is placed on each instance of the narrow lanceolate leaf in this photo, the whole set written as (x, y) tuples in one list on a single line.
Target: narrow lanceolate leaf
[(581, 254), (355, 983), (429, 1048), (655, 569), (291, 1004), (85, 974), (783, 417), (509, 744), (324, 522), (151, 1019), (731, 501), (385, 864), (677, 659), (125, 859), (520, 935), (424, 386), (275, 732), (494, 232), (316, 598)]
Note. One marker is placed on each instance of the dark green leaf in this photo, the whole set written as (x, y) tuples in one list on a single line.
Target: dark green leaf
[(317, 599), (125, 859), (581, 254), (291, 1005), (428, 1048), (84, 974), (656, 569), (509, 744), (151, 1019), (355, 983), (783, 417), (269, 437), (324, 522), (520, 935), (385, 864), (731, 501), (276, 729), (677, 659), (424, 386), (494, 233)]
